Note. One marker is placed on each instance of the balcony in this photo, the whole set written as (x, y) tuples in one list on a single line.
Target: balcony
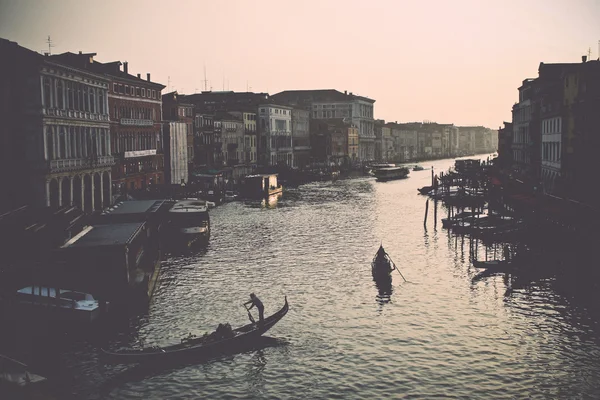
[(136, 122), (71, 164), (58, 112)]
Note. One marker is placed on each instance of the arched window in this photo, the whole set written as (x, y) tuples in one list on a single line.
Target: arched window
[(68, 96), (50, 143), (62, 140), (60, 94), (92, 100), (100, 101), (47, 93), (86, 106)]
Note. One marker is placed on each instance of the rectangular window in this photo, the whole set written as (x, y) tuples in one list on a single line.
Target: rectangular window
[(137, 91), (153, 93), (143, 92), (115, 88), (132, 91)]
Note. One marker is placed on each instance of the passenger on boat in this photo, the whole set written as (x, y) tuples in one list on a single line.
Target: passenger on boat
[(255, 301)]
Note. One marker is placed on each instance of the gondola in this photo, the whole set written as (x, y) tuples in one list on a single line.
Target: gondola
[(199, 347), (382, 266)]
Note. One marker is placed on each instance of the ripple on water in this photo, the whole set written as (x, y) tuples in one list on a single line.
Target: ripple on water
[(439, 336)]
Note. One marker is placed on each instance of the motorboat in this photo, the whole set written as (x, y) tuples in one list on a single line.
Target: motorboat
[(60, 304)]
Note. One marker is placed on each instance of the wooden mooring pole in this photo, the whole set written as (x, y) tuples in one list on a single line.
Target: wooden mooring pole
[(426, 210)]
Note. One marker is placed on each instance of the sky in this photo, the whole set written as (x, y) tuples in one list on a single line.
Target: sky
[(458, 61)]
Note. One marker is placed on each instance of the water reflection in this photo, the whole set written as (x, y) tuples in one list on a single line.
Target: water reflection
[(383, 283)]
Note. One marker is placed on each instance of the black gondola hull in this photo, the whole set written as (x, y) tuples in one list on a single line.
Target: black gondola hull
[(197, 347)]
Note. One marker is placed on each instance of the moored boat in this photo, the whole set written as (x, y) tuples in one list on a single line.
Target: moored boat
[(202, 346), (188, 222), (61, 305), (418, 168)]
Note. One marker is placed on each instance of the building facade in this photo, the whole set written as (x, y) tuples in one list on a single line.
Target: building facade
[(176, 152), (301, 137), (275, 127), (58, 130), (331, 104), (174, 109)]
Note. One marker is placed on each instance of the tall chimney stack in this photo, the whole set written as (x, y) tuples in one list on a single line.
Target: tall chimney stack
[(583, 58), (125, 67), (148, 76), (139, 76)]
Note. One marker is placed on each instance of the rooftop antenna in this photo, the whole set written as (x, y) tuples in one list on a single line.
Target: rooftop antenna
[(589, 53), (598, 49), (205, 81), (169, 83), (50, 45)]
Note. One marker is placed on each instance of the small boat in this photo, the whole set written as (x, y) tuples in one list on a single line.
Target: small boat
[(494, 265), (230, 195), (418, 168), (382, 265), (199, 347)]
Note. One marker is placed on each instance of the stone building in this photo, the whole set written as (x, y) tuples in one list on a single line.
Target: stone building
[(328, 104), (55, 132), (135, 107), (275, 128), (174, 109)]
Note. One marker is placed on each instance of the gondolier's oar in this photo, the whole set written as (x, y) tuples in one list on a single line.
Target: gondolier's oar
[(396, 268), (249, 315)]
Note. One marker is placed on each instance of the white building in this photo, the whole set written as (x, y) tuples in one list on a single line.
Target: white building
[(275, 127), (551, 150), (176, 154)]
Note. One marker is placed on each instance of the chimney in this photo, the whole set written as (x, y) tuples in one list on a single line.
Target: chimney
[(139, 76), (345, 92), (148, 76), (79, 51), (350, 93), (125, 67), (583, 58)]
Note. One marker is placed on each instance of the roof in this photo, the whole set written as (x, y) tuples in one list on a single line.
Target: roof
[(319, 95), (105, 235), (85, 61), (134, 207)]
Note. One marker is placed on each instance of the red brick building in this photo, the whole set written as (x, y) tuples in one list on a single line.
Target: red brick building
[(135, 109)]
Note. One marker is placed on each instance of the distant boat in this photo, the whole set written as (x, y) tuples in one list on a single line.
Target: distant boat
[(418, 168), (391, 173)]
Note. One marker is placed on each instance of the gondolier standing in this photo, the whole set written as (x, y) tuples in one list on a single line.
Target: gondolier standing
[(255, 301)]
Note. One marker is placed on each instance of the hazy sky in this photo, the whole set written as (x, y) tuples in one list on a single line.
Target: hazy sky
[(457, 61)]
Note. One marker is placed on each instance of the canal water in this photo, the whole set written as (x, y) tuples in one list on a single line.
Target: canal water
[(440, 334)]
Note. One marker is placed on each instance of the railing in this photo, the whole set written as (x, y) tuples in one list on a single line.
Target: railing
[(136, 122), (57, 112), (74, 163)]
